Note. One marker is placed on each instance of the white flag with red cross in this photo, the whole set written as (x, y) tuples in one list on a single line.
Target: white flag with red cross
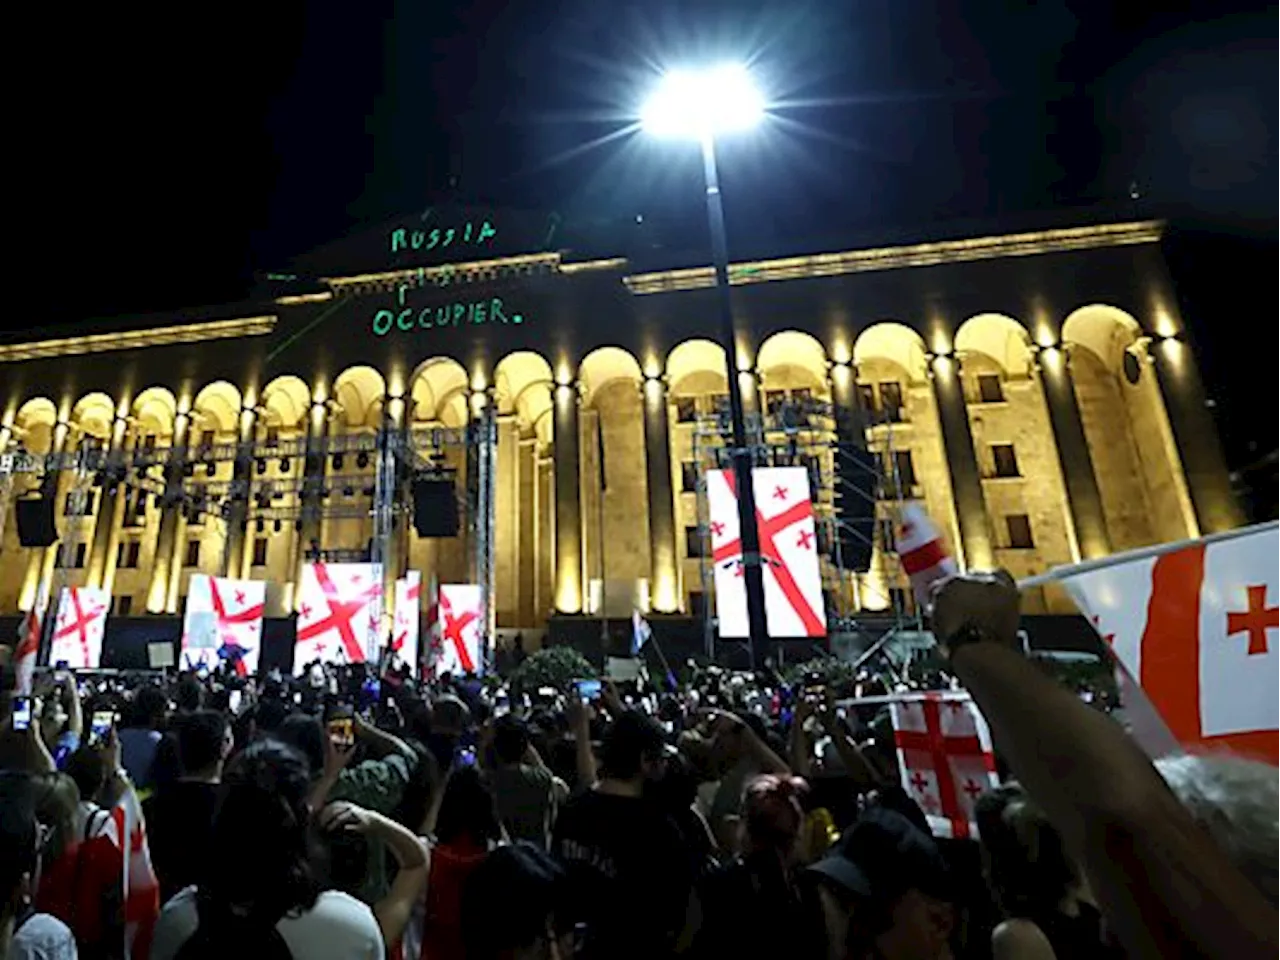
[(1195, 623), (339, 614), (432, 648), (24, 655), (80, 625), (461, 629), (408, 612), (945, 758), (923, 554), (788, 553), (223, 622)]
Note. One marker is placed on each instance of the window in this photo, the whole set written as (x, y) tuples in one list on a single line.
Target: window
[(692, 542), (697, 604), (688, 477), (208, 438), (193, 554), (891, 399), (260, 551), (686, 410), (989, 388), (867, 397), (1019, 525), (774, 401), (888, 542), (127, 554), (81, 549), (149, 442), (273, 436), (1006, 461), (900, 599), (905, 468), (124, 606)]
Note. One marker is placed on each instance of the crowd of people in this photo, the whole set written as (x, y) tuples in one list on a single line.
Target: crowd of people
[(341, 814)]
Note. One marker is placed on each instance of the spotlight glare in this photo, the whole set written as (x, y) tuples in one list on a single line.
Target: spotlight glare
[(694, 104)]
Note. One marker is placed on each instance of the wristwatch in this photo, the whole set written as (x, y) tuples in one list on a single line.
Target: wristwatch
[(967, 633)]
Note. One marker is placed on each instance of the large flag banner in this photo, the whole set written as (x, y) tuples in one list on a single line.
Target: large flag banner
[(788, 553), (339, 614), (432, 648), (80, 626), (404, 632), (28, 648), (461, 628), (945, 756), (223, 621), (641, 632), (1196, 625), (141, 888)]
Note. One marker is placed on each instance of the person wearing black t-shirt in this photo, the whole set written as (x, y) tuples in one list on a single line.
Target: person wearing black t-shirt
[(627, 868)]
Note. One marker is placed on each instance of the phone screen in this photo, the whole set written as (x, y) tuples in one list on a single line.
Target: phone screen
[(588, 690), (100, 725), (342, 732), (465, 756), (21, 713)]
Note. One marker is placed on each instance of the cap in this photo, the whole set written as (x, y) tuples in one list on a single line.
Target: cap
[(882, 856)]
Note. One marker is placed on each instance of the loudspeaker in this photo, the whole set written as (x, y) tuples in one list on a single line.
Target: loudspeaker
[(857, 472), (435, 508), (35, 517)]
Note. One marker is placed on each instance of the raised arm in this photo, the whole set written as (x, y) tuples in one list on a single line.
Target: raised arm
[(1166, 889)]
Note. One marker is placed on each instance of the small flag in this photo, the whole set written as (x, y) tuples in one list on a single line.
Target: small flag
[(923, 554), (24, 658), (640, 632)]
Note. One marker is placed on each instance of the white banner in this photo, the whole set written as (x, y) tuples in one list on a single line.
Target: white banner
[(788, 553), (408, 613), (339, 615), (461, 628), (223, 621), (80, 626)]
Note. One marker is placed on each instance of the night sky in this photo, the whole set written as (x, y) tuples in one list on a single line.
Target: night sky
[(167, 152)]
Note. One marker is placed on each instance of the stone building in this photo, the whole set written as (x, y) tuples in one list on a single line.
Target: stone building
[(1035, 389)]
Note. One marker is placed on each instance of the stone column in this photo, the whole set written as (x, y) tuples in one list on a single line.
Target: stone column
[(40, 560), (393, 421), (1083, 497), (106, 524), (568, 537), (664, 576), (314, 463), (237, 516), (962, 464), (170, 504), (527, 534), (1196, 437)]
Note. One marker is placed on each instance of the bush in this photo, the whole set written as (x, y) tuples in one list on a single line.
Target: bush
[(552, 667), (838, 675)]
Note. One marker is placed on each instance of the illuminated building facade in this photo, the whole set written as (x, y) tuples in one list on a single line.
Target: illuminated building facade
[(1034, 389)]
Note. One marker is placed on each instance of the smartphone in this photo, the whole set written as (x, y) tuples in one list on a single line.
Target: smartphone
[(342, 729), (100, 726), (464, 757), (21, 713), (588, 690)]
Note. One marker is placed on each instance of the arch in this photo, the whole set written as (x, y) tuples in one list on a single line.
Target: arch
[(435, 388), (356, 390), (895, 342), (1105, 331), (155, 410), (519, 379), (34, 424), (94, 414), (1001, 338), (217, 406), (792, 347), (604, 366), (286, 401), (694, 357)]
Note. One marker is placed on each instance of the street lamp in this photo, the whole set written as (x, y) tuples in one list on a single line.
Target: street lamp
[(700, 105)]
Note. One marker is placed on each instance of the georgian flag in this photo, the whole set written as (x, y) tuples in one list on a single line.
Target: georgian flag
[(408, 613), (461, 629), (223, 621), (24, 656), (1196, 624), (923, 554), (788, 553), (339, 615), (79, 627)]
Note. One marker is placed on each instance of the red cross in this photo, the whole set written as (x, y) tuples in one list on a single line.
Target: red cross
[(81, 622), (240, 598), (341, 613), (769, 552), (305, 611), (1107, 638), (940, 749), (919, 782), (779, 492), (806, 540), (397, 643), (227, 621), (973, 789), (717, 527), (908, 529), (1256, 620), (453, 627)]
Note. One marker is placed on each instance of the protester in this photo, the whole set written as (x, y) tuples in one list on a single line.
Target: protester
[(260, 889), (25, 934), (140, 733), (527, 887), (528, 794)]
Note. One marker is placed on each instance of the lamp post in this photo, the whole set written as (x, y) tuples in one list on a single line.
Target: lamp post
[(699, 105)]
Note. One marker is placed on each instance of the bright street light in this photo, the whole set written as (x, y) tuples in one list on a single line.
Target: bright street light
[(696, 104)]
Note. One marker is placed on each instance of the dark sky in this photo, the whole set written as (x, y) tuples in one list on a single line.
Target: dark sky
[(170, 153)]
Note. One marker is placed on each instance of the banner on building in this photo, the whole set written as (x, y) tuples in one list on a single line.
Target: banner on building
[(339, 614), (788, 553), (462, 629), (408, 614), (79, 627), (223, 623)]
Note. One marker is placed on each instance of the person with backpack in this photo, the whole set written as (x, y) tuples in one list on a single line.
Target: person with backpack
[(260, 894)]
